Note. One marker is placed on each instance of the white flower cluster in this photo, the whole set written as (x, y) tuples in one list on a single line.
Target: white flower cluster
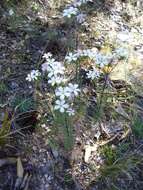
[(103, 60), (121, 53), (33, 75), (74, 56), (54, 69), (92, 74), (69, 91), (71, 57), (124, 37), (93, 54), (64, 94), (73, 10), (70, 11), (99, 59), (81, 18), (87, 53)]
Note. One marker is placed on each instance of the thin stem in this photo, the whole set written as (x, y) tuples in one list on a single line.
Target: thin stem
[(69, 133), (66, 125), (102, 93)]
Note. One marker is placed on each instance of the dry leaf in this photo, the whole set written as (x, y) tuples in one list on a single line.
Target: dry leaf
[(121, 111), (88, 150), (20, 170)]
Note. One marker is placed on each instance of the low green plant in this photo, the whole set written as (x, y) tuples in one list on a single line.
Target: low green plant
[(65, 128), (122, 165), (23, 104), (3, 88), (137, 127), (110, 154), (118, 163), (68, 180), (9, 3)]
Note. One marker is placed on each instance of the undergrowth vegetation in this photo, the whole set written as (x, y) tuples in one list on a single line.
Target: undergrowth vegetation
[(67, 89)]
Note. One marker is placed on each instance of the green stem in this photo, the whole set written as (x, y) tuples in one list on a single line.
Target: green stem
[(77, 72), (68, 133), (78, 78), (66, 124), (102, 94)]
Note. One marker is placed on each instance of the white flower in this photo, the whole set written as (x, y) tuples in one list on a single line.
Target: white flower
[(79, 53), (70, 12), (77, 3), (61, 105), (70, 112), (33, 75), (91, 53), (81, 18), (121, 53), (125, 36), (102, 60), (29, 78), (93, 74), (45, 67), (58, 67), (11, 12), (62, 92), (56, 80), (73, 89), (51, 61), (86, 52), (71, 57), (55, 69), (47, 55)]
